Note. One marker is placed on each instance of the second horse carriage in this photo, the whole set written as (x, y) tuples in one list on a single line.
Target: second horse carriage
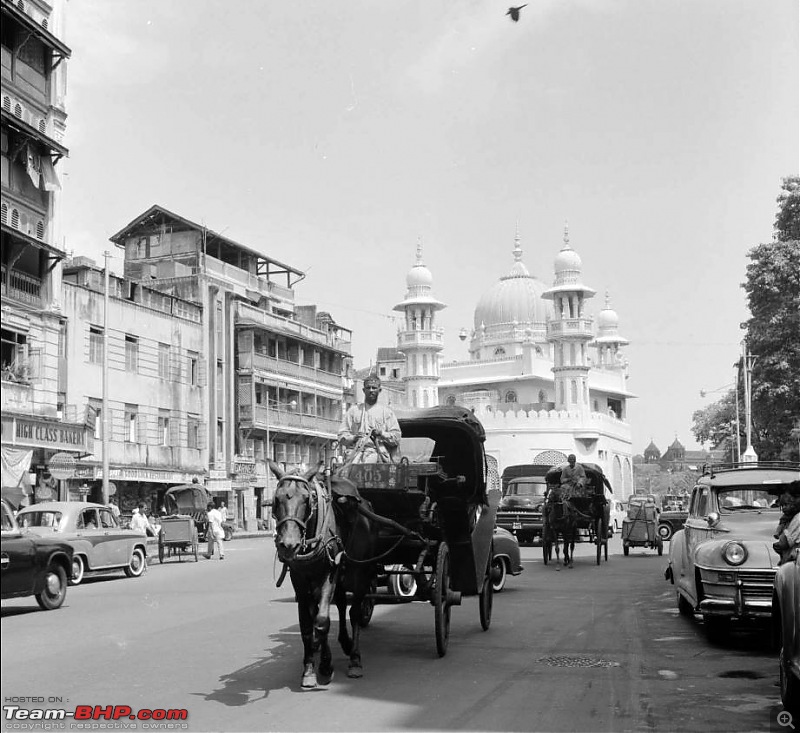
[(590, 509), (435, 518), (185, 524)]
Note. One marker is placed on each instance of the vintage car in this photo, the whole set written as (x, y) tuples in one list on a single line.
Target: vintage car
[(97, 539), (520, 508), (505, 561), (669, 522), (617, 515), (786, 627), (722, 562), (32, 565)]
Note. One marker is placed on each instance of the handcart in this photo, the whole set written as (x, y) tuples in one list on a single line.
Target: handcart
[(640, 528), (441, 519), (185, 524)]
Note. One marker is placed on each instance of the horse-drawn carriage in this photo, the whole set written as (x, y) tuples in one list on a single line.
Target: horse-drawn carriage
[(441, 519), (428, 516), (589, 511), (185, 524)]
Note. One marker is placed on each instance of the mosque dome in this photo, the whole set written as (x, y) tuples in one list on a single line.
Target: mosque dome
[(567, 260), (419, 276), (515, 298)]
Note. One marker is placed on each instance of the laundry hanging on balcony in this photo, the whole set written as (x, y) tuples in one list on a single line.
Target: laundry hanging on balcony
[(50, 180)]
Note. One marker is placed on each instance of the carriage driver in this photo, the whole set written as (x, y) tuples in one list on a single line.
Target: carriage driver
[(573, 478), (370, 431)]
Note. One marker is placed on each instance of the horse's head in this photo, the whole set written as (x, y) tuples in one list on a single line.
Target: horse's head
[(293, 508)]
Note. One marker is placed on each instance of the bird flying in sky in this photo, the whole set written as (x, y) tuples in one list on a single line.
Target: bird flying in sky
[(514, 12)]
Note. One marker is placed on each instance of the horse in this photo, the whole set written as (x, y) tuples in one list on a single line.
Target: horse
[(560, 521), (324, 541)]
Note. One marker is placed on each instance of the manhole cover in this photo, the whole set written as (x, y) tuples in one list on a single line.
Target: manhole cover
[(577, 662), (744, 674)]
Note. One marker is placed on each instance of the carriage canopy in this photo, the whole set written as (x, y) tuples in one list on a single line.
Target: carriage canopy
[(186, 499)]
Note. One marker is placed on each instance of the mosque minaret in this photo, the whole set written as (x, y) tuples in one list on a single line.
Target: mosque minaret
[(570, 331), (419, 338)]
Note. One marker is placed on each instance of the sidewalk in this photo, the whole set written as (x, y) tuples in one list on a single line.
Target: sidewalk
[(239, 534)]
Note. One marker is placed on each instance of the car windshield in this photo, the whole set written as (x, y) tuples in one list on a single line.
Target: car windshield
[(40, 519), (744, 499), (527, 488)]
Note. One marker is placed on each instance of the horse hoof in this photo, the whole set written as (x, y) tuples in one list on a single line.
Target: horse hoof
[(355, 672), (309, 683)]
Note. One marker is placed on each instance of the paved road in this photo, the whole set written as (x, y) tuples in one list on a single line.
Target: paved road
[(588, 649)]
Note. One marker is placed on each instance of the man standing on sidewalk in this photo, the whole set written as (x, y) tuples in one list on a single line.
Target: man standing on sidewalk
[(214, 531)]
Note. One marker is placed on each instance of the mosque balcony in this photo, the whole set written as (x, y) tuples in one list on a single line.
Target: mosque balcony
[(571, 327), (432, 337)]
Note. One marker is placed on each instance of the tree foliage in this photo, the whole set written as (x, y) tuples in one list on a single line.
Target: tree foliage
[(773, 331), (716, 423)]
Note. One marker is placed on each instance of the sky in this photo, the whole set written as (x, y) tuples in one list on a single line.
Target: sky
[(335, 136)]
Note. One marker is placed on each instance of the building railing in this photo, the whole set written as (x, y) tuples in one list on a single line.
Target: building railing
[(292, 369), (428, 336), (248, 280), (261, 416), (21, 286), (571, 325)]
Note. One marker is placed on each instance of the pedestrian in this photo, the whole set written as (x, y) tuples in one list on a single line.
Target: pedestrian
[(214, 531), (139, 522), (112, 505), (223, 510)]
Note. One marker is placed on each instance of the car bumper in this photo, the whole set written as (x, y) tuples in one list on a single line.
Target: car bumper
[(520, 524), (738, 593)]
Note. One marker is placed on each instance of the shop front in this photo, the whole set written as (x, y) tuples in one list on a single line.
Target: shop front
[(29, 446)]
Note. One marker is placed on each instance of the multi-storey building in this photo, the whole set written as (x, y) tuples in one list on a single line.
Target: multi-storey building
[(275, 372), (34, 424), (156, 385)]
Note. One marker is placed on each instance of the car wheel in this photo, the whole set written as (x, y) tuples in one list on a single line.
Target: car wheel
[(78, 569), (499, 574), (717, 627), (684, 607), (138, 563), (665, 532), (55, 588), (403, 584)]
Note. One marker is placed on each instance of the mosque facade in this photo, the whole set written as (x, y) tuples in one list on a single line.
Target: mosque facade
[(545, 377)]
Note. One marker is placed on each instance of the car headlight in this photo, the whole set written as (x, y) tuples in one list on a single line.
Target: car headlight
[(735, 553)]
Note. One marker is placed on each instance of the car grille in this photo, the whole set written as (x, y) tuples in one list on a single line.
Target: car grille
[(756, 583)]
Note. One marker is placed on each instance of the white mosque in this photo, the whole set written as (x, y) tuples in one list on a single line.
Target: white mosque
[(545, 378)]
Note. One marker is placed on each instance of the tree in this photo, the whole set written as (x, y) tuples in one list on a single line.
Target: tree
[(716, 424), (773, 330)]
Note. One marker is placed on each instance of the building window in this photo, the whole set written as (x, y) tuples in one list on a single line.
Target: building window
[(220, 438), (499, 351), (14, 362), (511, 396), (163, 428), (193, 368), (95, 345), (163, 361), (62, 340), (451, 399), (131, 353), (131, 420), (193, 433)]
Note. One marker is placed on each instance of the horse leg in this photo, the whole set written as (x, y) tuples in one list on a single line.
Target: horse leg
[(322, 626), (354, 668), (306, 619), (344, 635), (557, 549)]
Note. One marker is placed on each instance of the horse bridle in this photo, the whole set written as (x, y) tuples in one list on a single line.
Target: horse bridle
[(312, 504)]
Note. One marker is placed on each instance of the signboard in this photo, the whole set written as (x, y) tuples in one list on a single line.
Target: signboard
[(142, 475), (62, 466), (37, 433)]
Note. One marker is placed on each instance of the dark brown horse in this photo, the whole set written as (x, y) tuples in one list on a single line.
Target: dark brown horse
[(561, 522), (307, 542), (323, 540)]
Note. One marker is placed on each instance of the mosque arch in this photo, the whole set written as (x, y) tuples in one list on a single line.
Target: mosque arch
[(511, 396), (616, 472), (549, 458)]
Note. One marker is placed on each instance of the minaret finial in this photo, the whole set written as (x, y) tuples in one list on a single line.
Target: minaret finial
[(608, 301), (517, 247), (566, 235), (419, 250)]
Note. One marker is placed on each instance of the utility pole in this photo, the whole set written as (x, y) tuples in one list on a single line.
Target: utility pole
[(738, 453), (750, 456), (105, 415)]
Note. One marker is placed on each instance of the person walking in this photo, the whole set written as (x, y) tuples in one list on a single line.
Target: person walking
[(214, 531)]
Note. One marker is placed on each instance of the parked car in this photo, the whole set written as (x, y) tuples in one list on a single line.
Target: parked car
[(669, 522), (617, 515), (786, 626), (97, 539), (520, 508), (722, 563), (32, 565), (505, 561)]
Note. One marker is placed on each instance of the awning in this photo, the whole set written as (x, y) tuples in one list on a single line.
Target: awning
[(32, 133), (28, 239), (44, 35)]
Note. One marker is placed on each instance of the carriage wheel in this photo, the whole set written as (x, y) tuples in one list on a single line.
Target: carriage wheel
[(441, 607), (546, 546), (160, 548), (486, 596), (599, 540)]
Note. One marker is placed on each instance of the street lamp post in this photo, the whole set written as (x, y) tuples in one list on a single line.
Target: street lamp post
[(105, 416), (749, 456)]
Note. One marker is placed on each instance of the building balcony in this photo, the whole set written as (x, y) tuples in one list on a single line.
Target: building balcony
[(272, 365), (247, 315), (270, 418), (16, 396), (248, 281), (571, 327), (22, 287), (433, 337)]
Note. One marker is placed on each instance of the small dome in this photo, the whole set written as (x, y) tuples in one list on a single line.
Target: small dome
[(567, 259), (607, 319), (419, 275)]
